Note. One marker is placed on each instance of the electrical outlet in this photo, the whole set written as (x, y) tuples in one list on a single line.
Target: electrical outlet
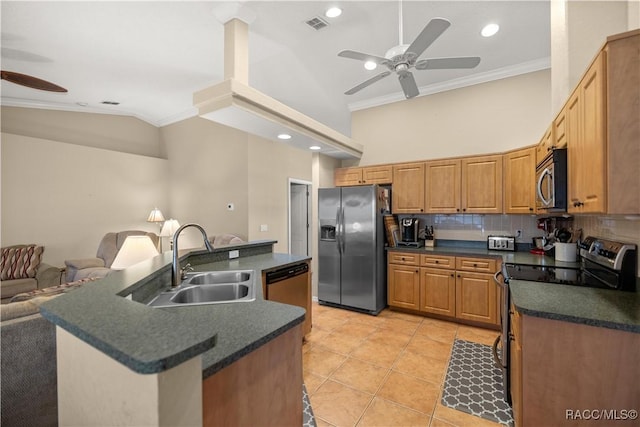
[(264, 227), (518, 234), (230, 206), (234, 254)]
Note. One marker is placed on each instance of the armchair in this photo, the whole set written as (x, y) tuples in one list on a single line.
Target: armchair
[(107, 250)]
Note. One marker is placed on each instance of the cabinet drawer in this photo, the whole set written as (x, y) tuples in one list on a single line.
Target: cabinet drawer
[(404, 258), (440, 261), (481, 265)]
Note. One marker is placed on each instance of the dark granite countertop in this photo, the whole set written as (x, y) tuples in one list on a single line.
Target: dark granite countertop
[(150, 340), (590, 306)]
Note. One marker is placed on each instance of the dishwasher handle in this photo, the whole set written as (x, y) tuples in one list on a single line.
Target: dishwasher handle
[(286, 273)]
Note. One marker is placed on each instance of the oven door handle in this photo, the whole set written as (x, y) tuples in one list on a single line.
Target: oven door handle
[(502, 283), (494, 350)]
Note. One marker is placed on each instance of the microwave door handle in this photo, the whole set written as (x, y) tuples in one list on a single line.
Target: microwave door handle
[(552, 192), (544, 201)]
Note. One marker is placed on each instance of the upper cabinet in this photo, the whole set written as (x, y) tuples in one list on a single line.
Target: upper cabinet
[(408, 188), (519, 181), (481, 187), (545, 145), (443, 186), (363, 175), (603, 131)]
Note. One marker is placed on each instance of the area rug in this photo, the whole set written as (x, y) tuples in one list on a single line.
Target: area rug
[(308, 420), (474, 384)]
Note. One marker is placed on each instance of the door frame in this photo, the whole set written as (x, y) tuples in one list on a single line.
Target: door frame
[(309, 207)]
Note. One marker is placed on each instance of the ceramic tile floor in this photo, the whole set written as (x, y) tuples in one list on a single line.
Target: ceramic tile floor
[(386, 370)]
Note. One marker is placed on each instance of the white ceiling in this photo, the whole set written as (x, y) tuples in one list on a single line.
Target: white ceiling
[(152, 56)]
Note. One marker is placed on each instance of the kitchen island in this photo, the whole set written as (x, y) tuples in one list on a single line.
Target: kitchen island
[(106, 326)]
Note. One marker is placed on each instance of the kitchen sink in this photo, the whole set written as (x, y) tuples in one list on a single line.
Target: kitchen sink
[(210, 287)]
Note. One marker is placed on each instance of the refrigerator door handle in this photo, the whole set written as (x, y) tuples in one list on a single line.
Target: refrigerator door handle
[(338, 230), (342, 232)]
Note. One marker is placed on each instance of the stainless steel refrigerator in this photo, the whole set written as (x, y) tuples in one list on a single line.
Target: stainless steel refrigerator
[(351, 261)]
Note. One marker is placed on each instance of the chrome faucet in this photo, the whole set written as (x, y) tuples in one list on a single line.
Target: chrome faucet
[(176, 274)]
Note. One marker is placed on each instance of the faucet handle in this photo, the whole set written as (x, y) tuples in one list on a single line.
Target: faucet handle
[(184, 270)]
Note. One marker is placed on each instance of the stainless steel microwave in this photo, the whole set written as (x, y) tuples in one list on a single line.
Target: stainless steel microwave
[(551, 182)]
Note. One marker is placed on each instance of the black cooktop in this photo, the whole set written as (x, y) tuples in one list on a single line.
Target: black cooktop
[(559, 275)]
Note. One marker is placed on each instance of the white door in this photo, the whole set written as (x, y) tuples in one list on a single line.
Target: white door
[(299, 217)]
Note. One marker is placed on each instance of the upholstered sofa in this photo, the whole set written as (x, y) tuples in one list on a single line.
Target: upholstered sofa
[(99, 266), (224, 240), (21, 270), (29, 395)]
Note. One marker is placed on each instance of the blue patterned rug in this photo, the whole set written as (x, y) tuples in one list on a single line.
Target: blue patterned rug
[(308, 420), (474, 384)]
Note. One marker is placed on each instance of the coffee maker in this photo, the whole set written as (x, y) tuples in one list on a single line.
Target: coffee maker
[(409, 228)]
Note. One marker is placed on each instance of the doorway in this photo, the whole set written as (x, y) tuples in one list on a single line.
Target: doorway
[(299, 217)]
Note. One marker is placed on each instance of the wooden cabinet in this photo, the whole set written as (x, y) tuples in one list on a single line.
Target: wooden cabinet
[(408, 188), (456, 287), (403, 286), (586, 142), (519, 181), (475, 297), (481, 184), (545, 145), (603, 130), (443, 186), (560, 130), (347, 176), (363, 175)]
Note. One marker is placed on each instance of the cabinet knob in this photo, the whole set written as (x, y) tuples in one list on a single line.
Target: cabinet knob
[(452, 275), (530, 209), (421, 210), (417, 271), (437, 261), (458, 276), (457, 209), (475, 265), (464, 209)]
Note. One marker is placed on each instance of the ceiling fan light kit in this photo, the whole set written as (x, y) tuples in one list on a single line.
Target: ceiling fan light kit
[(401, 58)]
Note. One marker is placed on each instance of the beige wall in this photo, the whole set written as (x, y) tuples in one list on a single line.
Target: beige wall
[(271, 164), (486, 118), (207, 169), (66, 196), (113, 133)]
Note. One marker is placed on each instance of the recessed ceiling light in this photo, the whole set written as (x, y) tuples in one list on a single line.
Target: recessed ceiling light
[(284, 136), (370, 65), (490, 30), (315, 148), (333, 12)]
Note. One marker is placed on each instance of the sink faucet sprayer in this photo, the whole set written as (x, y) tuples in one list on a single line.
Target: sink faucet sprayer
[(175, 266)]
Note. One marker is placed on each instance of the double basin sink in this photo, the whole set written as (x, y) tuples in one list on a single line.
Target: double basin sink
[(210, 287)]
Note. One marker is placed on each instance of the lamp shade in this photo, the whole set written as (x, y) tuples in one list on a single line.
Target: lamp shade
[(169, 228), (155, 216), (135, 249)]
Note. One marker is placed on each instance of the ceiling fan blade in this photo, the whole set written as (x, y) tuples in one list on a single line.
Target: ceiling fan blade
[(448, 63), (363, 56), (366, 83), (429, 34), (30, 81), (408, 83)]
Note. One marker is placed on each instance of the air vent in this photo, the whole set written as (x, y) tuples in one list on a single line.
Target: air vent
[(316, 23), (110, 103)]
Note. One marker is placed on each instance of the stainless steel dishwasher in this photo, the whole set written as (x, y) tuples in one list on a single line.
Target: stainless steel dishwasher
[(291, 285)]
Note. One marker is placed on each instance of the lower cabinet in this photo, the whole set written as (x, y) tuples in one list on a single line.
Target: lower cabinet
[(515, 365), (403, 286), (456, 287)]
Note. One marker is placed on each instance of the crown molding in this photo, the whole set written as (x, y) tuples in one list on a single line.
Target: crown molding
[(488, 76)]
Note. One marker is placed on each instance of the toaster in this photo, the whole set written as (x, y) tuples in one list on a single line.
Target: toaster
[(501, 243)]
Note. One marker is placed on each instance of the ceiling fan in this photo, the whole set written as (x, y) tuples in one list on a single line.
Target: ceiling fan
[(401, 58), (30, 81)]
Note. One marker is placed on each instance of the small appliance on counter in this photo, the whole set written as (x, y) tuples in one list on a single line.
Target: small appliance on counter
[(409, 228), (501, 243), (429, 237)]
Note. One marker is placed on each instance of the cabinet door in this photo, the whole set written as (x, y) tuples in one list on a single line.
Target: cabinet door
[(403, 286), (347, 176), (519, 182), (442, 186), (574, 154), (377, 175), (545, 145), (482, 184), (592, 144), (560, 130), (438, 291), (408, 188), (515, 366), (475, 297)]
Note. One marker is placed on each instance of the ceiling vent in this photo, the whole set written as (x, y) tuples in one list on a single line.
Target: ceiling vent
[(110, 102), (317, 23)]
